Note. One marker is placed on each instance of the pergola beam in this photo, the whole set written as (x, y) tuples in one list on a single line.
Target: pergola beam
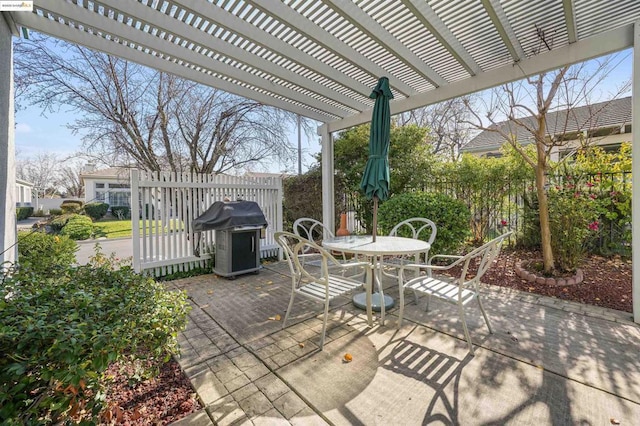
[(377, 32), (599, 45), (635, 175), (120, 30), (111, 47), (441, 32), (226, 20), (570, 19), (171, 25), (502, 26), (333, 44)]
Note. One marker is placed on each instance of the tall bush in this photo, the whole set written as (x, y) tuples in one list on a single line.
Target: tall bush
[(96, 210), (60, 332), (44, 253), (71, 206), (573, 215), (23, 212), (450, 216), (303, 197), (78, 227), (410, 162)]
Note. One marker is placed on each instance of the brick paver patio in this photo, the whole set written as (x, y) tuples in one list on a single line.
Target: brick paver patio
[(548, 361)]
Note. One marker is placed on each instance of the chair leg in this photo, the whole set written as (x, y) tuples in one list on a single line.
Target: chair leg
[(324, 323), (401, 299), (466, 330), (484, 314), (286, 315), (426, 308)]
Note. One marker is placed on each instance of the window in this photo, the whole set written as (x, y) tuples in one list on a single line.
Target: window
[(99, 185), (119, 199), (119, 185)]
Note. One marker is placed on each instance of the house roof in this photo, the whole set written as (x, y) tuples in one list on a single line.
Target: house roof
[(321, 58), (108, 173), (24, 183), (602, 115)]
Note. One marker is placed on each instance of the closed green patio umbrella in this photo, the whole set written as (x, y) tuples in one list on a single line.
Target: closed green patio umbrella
[(375, 180)]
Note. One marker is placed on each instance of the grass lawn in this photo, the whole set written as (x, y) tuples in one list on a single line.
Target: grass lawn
[(122, 228)]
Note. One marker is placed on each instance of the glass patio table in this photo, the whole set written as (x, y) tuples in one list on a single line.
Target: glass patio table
[(363, 245)]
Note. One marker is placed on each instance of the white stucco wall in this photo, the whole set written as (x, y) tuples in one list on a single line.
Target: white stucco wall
[(7, 149)]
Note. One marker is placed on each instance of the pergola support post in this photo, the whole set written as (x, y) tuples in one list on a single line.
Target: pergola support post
[(635, 168), (8, 248), (328, 196)]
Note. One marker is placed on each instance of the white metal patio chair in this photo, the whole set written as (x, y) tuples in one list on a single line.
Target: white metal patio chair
[(416, 228), (315, 231), (316, 282), (459, 289)]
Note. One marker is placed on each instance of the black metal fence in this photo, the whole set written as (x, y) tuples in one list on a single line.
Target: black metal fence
[(496, 206)]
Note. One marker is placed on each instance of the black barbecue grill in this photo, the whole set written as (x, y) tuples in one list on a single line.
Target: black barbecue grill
[(238, 226)]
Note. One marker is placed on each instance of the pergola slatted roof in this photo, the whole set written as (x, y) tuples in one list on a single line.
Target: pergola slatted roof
[(320, 59)]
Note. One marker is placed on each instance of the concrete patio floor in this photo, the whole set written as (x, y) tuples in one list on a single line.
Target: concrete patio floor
[(549, 362)]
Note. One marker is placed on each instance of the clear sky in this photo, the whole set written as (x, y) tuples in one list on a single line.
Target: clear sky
[(37, 133)]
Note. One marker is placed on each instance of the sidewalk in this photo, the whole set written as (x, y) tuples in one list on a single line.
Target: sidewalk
[(548, 361)]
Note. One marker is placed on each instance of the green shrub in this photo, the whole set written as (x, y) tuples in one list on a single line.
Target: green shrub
[(78, 227), (23, 212), (55, 212), (58, 222), (43, 253), (573, 221), (121, 212), (71, 206), (96, 210), (60, 333), (450, 216)]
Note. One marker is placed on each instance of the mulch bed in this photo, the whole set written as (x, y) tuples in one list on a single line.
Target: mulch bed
[(159, 400), (607, 281)]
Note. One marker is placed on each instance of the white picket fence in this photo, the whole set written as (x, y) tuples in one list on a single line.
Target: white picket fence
[(165, 205)]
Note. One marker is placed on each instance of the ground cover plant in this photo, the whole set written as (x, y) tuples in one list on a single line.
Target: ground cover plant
[(62, 329)]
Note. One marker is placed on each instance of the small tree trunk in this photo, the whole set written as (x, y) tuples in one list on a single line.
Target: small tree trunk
[(543, 211)]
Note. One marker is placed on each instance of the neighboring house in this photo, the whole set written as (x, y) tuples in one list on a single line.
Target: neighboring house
[(606, 124), (111, 186), (24, 193)]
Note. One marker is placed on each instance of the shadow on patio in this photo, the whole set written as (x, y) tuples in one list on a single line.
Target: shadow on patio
[(548, 361)]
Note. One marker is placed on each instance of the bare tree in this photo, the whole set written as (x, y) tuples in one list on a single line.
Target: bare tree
[(447, 123), (69, 178), (526, 105), (42, 171), (133, 114)]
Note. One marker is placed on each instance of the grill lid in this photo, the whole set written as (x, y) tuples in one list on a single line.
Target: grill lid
[(230, 214)]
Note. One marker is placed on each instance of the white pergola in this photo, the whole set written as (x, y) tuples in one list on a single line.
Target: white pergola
[(321, 58)]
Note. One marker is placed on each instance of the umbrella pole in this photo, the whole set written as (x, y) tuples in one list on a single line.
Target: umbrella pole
[(375, 218)]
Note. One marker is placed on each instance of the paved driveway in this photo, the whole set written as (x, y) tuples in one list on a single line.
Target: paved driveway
[(122, 247)]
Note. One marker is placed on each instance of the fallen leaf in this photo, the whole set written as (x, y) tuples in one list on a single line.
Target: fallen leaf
[(347, 357), (301, 345), (275, 318), (210, 292), (269, 282), (614, 421), (136, 414)]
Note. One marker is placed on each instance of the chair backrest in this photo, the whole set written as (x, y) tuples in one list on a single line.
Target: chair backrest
[(295, 249), (312, 230), (481, 259), (416, 228)]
